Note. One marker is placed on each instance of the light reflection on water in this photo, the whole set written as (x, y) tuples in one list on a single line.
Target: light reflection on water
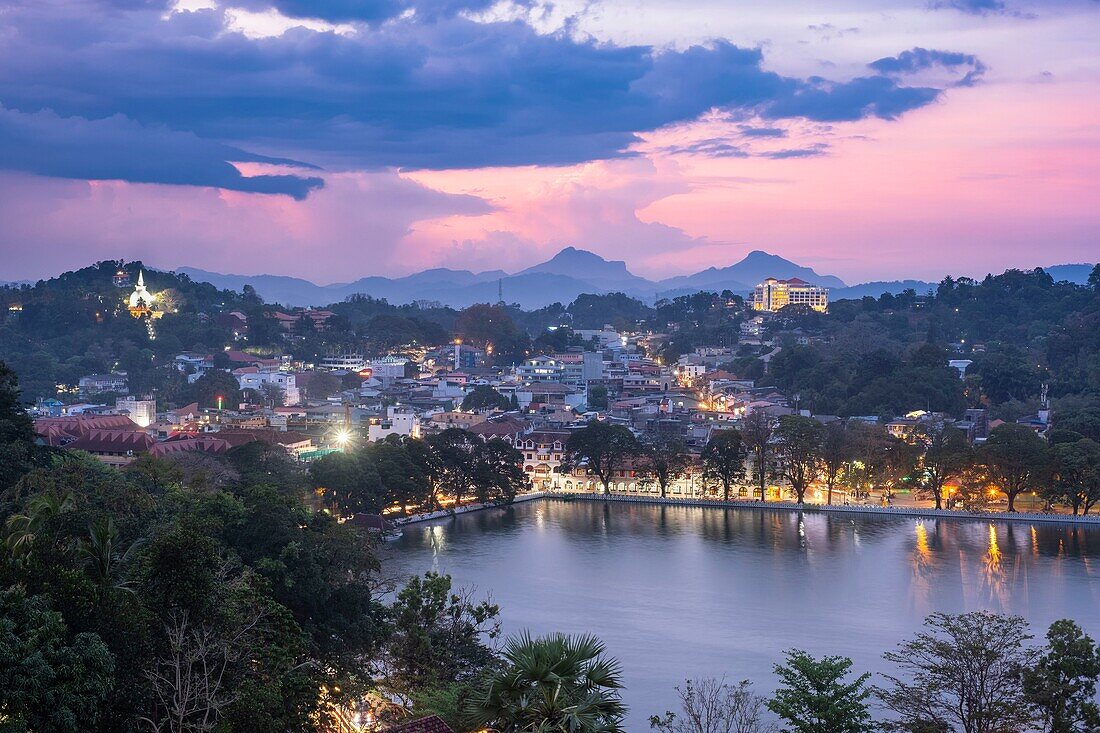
[(679, 591)]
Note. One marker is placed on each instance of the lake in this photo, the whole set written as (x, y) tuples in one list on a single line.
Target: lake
[(679, 592)]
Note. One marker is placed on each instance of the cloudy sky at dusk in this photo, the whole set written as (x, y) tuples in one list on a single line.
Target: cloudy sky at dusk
[(333, 139)]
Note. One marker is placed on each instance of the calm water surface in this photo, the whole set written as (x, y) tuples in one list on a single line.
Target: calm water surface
[(679, 592)]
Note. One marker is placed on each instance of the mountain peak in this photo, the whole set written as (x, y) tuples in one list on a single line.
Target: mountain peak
[(573, 261)]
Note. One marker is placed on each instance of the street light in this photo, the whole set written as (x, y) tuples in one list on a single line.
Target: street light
[(342, 438)]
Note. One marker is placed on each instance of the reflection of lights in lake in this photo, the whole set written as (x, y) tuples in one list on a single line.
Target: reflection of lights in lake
[(922, 541), (993, 571)]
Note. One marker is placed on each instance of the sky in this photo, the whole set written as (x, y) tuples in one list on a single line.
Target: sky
[(335, 139)]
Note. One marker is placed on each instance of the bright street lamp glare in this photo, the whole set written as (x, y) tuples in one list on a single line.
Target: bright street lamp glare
[(342, 437)]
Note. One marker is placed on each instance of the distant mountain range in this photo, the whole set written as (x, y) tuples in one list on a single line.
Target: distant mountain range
[(569, 273)]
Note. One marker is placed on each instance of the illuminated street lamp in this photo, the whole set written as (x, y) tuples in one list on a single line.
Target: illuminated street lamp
[(342, 438)]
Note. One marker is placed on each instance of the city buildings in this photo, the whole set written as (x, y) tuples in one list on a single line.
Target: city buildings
[(772, 295)]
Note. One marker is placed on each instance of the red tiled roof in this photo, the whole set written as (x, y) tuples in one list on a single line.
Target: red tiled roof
[(113, 441), (191, 409), (60, 430), (216, 446), (431, 724)]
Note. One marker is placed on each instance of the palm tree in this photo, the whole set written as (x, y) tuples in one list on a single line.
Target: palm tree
[(551, 684), (21, 529), (100, 555)]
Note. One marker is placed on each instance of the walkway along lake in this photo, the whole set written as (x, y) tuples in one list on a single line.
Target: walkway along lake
[(680, 591)]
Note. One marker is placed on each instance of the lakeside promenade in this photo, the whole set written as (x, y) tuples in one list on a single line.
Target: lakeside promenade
[(741, 505)]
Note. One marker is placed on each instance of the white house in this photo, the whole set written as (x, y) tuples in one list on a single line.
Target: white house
[(398, 421), (252, 378)]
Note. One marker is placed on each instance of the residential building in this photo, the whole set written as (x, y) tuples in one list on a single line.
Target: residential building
[(100, 383), (343, 362), (398, 421), (255, 379), (458, 419), (605, 336), (772, 295), (543, 454), (541, 369), (388, 368)]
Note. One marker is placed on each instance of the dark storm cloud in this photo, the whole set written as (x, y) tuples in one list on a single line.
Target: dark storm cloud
[(431, 89), (866, 96), (920, 59), (116, 148), (974, 7), (366, 11)]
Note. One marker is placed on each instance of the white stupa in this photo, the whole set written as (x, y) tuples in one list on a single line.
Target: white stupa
[(141, 300)]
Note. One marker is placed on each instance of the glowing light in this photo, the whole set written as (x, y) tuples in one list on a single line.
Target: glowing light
[(342, 438)]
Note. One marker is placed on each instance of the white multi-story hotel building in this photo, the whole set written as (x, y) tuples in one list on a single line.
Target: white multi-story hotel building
[(773, 294)]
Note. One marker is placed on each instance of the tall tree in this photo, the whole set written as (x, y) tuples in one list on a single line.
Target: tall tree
[(724, 460), (946, 454), (1014, 460), (961, 673), (1061, 686), (438, 635), (453, 454), (403, 480), (16, 431), (757, 431), (484, 397), (1075, 474), (498, 473), (814, 695), (799, 440), (552, 684), (602, 448), (837, 450), (663, 460)]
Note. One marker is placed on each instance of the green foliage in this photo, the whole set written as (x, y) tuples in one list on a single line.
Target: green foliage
[(484, 397), (51, 681), (814, 695), (238, 582), (946, 454), (555, 684), (961, 673), (662, 460), (799, 441), (597, 397), (724, 460), (487, 325), (1014, 460), (17, 450), (614, 309), (842, 382), (602, 448), (215, 388), (1061, 686), (438, 636), (1075, 474)]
